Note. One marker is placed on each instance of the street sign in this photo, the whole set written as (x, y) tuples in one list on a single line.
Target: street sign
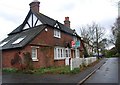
[(75, 44)]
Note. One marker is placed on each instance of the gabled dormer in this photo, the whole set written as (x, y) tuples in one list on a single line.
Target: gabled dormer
[(56, 25), (34, 18), (31, 21)]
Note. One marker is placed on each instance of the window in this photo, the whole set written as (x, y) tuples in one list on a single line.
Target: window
[(34, 54), (18, 40), (59, 53), (3, 43), (74, 38), (67, 52), (57, 33)]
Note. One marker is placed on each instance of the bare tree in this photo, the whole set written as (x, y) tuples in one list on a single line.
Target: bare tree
[(93, 33), (117, 43), (113, 36)]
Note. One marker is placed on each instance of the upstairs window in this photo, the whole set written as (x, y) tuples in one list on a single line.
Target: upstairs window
[(74, 38), (57, 33), (19, 40)]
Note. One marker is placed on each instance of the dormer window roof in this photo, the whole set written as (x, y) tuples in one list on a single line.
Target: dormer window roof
[(57, 25)]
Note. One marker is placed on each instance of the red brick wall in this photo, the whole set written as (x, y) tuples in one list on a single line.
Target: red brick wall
[(49, 39), (59, 62), (7, 56), (45, 54)]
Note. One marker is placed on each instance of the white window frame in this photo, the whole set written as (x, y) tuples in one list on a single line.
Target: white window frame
[(59, 53), (57, 33), (68, 54), (35, 50)]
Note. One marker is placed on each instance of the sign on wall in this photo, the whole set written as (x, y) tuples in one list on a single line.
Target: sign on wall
[(75, 44)]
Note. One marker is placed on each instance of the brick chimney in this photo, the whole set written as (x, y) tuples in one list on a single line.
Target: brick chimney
[(34, 6), (67, 22)]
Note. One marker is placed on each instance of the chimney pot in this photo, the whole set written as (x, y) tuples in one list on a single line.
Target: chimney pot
[(66, 18), (34, 6), (67, 22)]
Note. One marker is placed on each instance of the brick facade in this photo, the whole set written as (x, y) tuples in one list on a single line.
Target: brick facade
[(42, 38), (46, 42)]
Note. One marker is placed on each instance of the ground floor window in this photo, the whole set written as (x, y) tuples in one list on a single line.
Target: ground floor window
[(34, 53), (61, 52), (67, 52)]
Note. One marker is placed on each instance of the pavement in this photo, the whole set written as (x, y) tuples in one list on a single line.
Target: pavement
[(76, 79)]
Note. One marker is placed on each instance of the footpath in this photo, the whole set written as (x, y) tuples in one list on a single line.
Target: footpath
[(51, 79)]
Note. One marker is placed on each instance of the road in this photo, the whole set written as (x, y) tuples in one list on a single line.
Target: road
[(108, 73)]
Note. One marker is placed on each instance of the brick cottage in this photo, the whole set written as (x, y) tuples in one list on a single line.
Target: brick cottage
[(49, 42)]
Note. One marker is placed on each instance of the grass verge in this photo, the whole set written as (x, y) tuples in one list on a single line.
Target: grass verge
[(51, 70)]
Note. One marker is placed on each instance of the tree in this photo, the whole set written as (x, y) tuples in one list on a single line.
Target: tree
[(116, 34), (93, 33), (117, 44), (113, 36), (102, 45)]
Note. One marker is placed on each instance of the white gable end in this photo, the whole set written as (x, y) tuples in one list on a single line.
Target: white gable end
[(32, 22)]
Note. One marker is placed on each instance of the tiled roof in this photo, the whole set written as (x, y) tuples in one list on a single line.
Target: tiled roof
[(32, 32), (28, 34)]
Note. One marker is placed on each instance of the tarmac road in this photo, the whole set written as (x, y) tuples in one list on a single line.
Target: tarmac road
[(108, 73)]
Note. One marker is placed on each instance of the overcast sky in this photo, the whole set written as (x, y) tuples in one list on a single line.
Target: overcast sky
[(81, 12)]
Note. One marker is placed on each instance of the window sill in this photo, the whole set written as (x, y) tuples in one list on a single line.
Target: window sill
[(60, 59), (57, 37), (35, 60)]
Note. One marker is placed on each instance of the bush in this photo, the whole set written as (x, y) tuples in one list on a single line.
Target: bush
[(28, 61)]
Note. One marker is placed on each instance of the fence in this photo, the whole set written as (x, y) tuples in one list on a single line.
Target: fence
[(77, 62)]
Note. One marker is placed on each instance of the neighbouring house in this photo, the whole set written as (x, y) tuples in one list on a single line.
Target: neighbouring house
[(49, 42)]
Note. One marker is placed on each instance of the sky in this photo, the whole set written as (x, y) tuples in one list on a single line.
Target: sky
[(80, 13)]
